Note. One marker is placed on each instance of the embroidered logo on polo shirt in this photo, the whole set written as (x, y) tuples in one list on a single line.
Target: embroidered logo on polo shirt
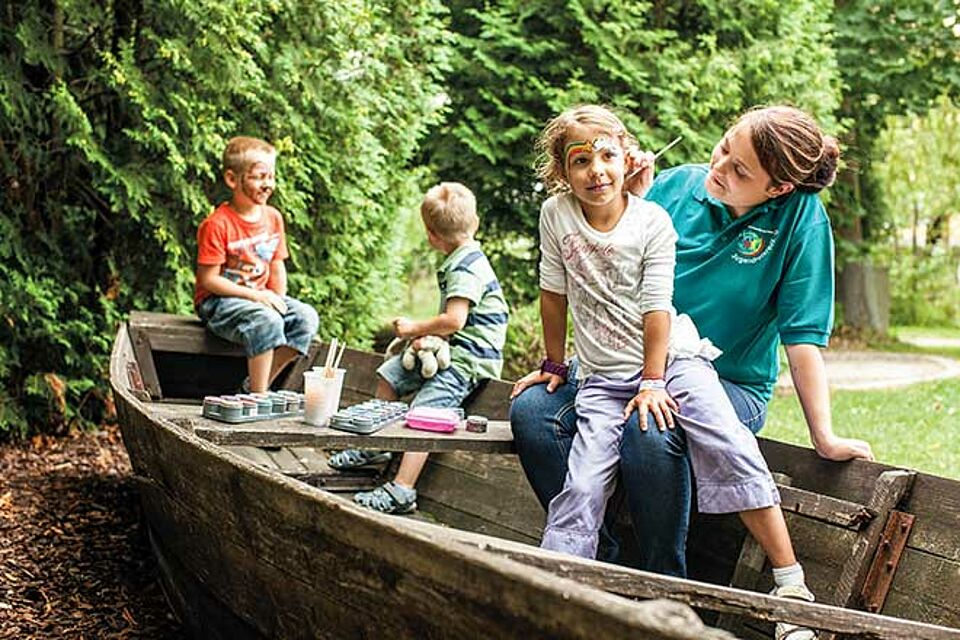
[(753, 244)]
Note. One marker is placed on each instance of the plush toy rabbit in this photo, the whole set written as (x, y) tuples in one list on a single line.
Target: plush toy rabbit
[(433, 353)]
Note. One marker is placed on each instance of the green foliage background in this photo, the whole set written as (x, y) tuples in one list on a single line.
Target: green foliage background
[(918, 168), (113, 117), (897, 57), (668, 68)]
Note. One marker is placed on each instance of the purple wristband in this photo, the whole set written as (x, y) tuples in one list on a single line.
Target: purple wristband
[(556, 368)]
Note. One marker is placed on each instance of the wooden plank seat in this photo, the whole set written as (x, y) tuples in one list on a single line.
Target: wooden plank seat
[(292, 431), (191, 361)]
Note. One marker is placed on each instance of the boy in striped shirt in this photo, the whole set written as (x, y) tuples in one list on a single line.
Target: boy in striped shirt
[(473, 317)]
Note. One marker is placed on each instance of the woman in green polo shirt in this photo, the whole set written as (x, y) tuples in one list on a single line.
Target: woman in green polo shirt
[(754, 269)]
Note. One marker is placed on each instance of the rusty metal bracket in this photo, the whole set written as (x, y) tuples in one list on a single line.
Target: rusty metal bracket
[(886, 560), (133, 376), (137, 388)]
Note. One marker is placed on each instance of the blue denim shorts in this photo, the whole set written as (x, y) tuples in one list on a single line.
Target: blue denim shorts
[(445, 389), (257, 327)]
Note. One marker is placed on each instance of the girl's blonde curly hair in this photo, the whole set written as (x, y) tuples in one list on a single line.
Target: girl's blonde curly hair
[(550, 162)]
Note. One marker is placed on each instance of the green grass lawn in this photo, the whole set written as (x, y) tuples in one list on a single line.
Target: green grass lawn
[(916, 426)]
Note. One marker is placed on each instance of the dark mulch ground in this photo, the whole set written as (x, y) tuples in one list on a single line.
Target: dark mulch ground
[(74, 558)]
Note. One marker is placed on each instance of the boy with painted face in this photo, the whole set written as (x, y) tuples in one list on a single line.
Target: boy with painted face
[(610, 257), (241, 281)]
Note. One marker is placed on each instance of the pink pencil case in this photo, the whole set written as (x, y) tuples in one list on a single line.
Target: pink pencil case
[(433, 419)]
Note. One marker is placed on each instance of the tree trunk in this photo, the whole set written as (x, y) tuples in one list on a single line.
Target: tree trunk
[(863, 290)]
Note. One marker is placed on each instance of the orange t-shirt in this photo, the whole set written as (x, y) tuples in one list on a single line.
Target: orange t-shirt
[(244, 250)]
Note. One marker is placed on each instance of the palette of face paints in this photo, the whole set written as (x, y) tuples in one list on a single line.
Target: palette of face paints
[(249, 407), (369, 417)]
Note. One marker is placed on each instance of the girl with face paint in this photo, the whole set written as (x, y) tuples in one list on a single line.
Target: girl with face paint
[(754, 269), (608, 257)]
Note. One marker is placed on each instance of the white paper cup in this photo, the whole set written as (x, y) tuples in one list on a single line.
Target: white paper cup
[(321, 396)]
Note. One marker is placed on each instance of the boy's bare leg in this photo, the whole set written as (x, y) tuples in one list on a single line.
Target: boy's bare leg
[(385, 391), (258, 367), (769, 529), (411, 465), (282, 356)]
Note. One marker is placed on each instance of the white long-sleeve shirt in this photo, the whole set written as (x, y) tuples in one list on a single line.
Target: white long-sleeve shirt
[(611, 279)]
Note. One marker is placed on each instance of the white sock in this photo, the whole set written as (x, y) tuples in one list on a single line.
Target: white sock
[(788, 576)]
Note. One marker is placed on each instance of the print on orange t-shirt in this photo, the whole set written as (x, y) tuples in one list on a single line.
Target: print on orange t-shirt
[(244, 250)]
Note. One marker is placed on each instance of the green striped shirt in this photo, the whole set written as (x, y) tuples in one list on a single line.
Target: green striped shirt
[(476, 350)]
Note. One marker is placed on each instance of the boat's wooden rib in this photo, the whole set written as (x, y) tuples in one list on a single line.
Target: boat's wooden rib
[(248, 552)]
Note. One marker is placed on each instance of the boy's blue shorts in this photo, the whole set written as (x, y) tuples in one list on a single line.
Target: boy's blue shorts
[(257, 327), (445, 389)]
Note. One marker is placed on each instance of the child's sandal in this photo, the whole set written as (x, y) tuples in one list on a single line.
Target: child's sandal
[(356, 458), (388, 498)]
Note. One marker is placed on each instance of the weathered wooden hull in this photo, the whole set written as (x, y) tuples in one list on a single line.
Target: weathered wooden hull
[(248, 552)]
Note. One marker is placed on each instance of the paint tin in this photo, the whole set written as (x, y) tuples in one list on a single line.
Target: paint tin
[(279, 402), (292, 401), (264, 403), (211, 406), (477, 424), (231, 409)]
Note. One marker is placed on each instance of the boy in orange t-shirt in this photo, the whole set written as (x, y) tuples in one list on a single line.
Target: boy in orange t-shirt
[(241, 281)]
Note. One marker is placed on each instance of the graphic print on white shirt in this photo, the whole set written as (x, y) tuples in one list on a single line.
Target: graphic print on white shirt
[(610, 278)]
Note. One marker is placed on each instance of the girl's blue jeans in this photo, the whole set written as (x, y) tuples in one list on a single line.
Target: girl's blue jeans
[(653, 467)]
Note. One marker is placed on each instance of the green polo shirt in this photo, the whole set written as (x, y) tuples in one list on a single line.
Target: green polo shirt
[(476, 350), (751, 281)]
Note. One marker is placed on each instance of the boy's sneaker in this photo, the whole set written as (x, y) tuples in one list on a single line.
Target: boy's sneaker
[(355, 458), (787, 631), (245, 385)]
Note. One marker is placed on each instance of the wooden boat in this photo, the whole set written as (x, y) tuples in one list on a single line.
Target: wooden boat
[(255, 540)]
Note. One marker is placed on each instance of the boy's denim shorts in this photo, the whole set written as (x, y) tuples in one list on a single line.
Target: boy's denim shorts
[(257, 327), (445, 389)]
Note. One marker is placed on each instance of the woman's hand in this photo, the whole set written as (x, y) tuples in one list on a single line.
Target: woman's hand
[(810, 379), (536, 377), (655, 401), (840, 449), (638, 171)]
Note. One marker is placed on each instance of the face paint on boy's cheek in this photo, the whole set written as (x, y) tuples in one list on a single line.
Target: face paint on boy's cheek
[(253, 192)]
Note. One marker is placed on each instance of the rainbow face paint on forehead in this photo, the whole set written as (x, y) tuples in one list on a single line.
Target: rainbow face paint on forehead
[(600, 143)]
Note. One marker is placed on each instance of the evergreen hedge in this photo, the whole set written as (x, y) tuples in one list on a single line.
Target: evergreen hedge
[(684, 67), (113, 117)]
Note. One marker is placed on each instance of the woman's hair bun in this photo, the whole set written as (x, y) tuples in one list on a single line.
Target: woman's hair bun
[(791, 147), (826, 173)]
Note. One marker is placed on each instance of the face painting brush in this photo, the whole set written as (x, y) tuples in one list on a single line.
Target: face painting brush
[(657, 155)]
